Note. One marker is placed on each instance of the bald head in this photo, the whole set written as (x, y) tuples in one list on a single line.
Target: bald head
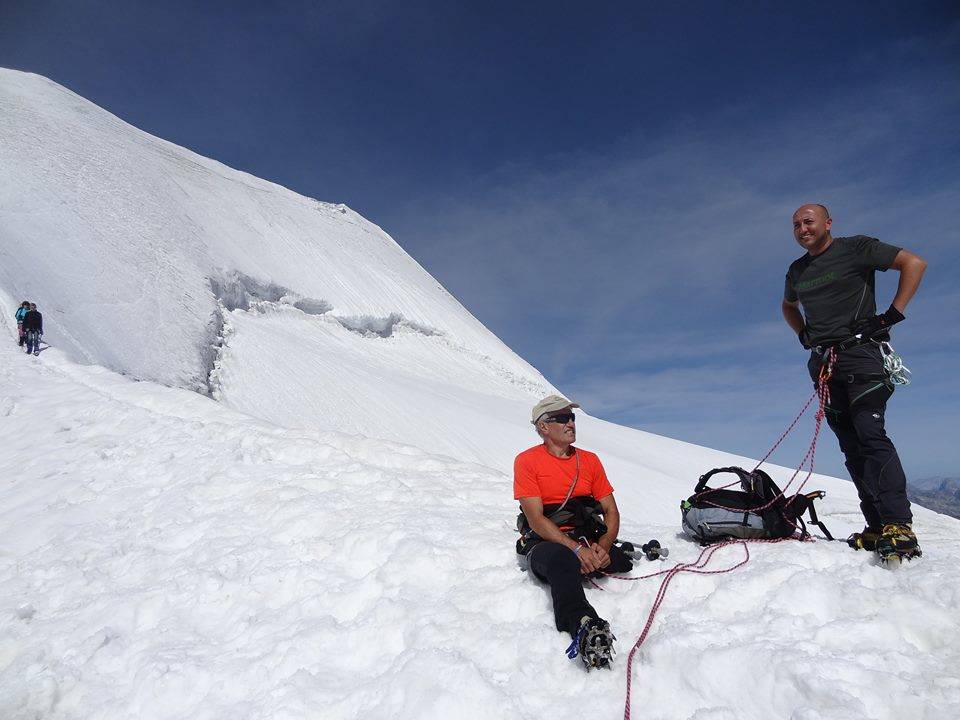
[(811, 227), (815, 207)]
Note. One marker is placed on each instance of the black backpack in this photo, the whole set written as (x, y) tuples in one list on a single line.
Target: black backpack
[(758, 510)]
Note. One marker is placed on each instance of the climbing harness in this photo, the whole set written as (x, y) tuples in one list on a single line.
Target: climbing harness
[(894, 369), (580, 515)]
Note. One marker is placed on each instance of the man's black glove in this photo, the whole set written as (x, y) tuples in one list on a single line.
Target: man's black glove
[(872, 325), (804, 337)]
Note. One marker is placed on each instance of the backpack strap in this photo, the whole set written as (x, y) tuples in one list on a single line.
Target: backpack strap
[(705, 478), (804, 533), (805, 505), (817, 495), (768, 489), (755, 483)]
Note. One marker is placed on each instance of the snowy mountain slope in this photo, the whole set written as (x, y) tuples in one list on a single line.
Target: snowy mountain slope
[(159, 263), (332, 538), (124, 238), (303, 371), (162, 556), (411, 386)]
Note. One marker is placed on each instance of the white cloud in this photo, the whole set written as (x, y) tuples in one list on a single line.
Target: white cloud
[(646, 278)]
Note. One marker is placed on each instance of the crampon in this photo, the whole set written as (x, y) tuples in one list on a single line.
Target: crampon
[(897, 543), (593, 644), (866, 540)]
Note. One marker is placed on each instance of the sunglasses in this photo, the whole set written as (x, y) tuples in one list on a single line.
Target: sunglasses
[(563, 418)]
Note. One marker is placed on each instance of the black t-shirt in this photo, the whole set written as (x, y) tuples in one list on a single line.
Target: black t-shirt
[(836, 287)]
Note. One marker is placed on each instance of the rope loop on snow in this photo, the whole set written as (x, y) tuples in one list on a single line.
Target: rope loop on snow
[(698, 566)]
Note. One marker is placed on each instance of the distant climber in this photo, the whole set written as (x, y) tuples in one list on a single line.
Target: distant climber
[(834, 282), (21, 311), (568, 525), (33, 328)]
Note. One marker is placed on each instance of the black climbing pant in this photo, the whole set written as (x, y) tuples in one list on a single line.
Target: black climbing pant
[(559, 567), (859, 390)]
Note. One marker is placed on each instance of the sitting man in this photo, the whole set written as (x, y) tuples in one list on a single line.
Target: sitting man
[(568, 526)]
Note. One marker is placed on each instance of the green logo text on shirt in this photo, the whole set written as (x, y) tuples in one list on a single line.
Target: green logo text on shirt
[(817, 281)]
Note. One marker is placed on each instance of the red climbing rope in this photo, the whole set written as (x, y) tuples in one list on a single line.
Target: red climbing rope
[(699, 565), (822, 393), (790, 428)]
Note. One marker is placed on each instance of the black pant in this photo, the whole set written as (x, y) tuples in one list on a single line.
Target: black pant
[(559, 567), (859, 390)]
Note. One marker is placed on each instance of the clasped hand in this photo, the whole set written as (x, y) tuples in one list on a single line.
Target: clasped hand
[(592, 558)]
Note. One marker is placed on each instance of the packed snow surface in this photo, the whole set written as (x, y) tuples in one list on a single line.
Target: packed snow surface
[(162, 556), (326, 532)]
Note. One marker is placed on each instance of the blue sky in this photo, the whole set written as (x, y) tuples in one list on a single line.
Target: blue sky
[(608, 188)]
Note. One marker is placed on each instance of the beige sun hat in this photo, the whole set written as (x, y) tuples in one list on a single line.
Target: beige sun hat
[(551, 403)]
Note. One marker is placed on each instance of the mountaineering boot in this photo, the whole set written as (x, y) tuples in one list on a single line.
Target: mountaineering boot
[(593, 643), (866, 540), (897, 542)]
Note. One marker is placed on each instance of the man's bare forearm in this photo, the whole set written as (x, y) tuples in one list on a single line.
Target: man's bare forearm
[(911, 269), (793, 316), (548, 530), (612, 520)]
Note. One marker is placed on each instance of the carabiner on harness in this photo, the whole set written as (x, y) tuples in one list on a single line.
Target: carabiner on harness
[(893, 364)]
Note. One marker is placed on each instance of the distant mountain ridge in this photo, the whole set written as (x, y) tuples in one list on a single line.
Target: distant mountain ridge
[(939, 493)]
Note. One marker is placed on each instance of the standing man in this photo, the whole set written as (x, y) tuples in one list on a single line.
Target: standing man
[(568, 526), (834, 283), (33, 327)]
